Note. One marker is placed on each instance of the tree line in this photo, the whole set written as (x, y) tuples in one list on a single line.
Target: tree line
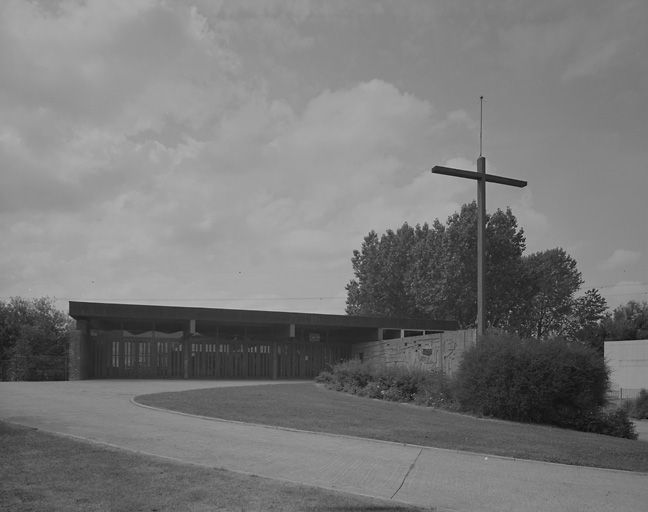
[(33, 339), (419, 272), (428, 271)]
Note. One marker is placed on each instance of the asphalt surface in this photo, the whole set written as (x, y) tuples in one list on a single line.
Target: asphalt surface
[(103, 412)]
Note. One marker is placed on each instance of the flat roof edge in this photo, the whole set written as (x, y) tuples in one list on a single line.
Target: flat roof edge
[(86, 310)]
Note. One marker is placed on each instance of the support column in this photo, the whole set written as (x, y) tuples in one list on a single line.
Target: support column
[(154, 366), (481, 246), (275, 361), (186, 347), (442, 353)]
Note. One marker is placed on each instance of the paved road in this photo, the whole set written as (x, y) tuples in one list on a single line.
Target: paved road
[(102, 411)]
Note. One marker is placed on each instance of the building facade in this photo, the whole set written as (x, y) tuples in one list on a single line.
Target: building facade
[(143, 341)]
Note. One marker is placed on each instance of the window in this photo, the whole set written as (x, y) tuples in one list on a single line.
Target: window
[(115, 354)]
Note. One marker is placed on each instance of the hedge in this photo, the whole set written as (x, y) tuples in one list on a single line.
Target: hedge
[(552, 382), (423, 387)]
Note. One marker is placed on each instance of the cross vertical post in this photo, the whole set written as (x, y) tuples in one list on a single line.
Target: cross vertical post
[(481, 246), (481, 177)]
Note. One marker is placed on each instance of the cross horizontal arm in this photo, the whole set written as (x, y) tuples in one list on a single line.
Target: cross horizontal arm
[(472, 175)]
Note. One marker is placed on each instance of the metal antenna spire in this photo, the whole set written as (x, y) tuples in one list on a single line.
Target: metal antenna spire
[(481, 122), (481, 177)]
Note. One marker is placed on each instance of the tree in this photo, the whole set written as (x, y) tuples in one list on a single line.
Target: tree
[(381, 268), (550, 281), (584, 324), (33, 338), (627, 322), (431, 271)]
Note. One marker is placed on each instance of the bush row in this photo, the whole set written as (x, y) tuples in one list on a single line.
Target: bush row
[(415, 385), (551, 382), (543, 382)]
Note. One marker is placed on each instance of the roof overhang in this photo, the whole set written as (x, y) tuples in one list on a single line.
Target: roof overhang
[(99, 310)]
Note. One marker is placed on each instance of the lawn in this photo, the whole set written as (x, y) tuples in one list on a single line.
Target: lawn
[(311, 407), (45, 472)]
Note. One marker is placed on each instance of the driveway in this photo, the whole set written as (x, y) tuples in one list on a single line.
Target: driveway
[(102, 412)]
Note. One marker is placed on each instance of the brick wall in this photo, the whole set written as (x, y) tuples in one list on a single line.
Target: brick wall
[(441, 351)]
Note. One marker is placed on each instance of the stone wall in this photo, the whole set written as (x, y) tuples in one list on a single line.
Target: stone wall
[(441, 351)]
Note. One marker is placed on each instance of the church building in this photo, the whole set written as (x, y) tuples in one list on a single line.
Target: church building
[(132, 341)]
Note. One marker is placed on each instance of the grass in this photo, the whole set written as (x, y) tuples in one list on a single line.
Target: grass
[(45, 472), (311, 407)]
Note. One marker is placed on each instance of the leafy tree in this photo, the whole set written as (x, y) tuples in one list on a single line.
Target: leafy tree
[(33, 338), (381, 268), (627, 322), (551, 279), (584, 324), (505, 244), (430, 271)]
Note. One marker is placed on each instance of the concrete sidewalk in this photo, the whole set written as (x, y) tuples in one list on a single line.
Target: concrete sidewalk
[(101, 411)]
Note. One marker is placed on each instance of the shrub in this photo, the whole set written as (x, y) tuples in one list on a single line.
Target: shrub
[(435, 390), (373, 389), (637, 407), (424, 387), (551, 382), (324, 378), (349, 376), (641, 405), (615, 423)]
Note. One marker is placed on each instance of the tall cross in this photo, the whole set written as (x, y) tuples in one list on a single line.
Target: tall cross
[(481, 177)]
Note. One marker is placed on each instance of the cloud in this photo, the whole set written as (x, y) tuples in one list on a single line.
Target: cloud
[(620, 258), (590, 62), (569, 40), (534, 222), (268, 188), (140, 162)]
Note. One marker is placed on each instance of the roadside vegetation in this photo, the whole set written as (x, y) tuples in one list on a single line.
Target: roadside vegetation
[(45, 472), (33, 339), (551, 382), (637, 407), (312, 407)]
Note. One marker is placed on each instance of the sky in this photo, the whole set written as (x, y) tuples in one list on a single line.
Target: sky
[(233, 154)]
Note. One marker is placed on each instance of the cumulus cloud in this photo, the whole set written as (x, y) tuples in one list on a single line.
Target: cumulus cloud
[(143, 164), (620, 258)]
